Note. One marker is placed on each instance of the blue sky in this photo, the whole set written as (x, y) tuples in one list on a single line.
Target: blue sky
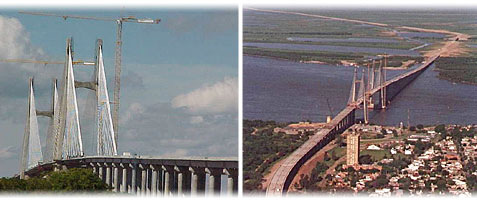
[(179, 81)]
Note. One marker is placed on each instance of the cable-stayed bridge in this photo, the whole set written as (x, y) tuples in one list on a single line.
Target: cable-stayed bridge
[(131, 174), (360, 98)]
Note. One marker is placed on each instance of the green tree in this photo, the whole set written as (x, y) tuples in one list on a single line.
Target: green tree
[(382, 181), (441, 185), (395, 133), (76, 179), (365, 159), (440, 128), (404, 183)]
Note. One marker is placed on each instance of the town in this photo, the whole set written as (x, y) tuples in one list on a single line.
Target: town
[(394, 161)]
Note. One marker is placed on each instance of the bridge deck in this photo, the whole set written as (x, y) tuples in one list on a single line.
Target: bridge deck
[(216, 162)]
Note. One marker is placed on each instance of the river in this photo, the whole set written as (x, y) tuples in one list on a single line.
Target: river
[(287, 91)]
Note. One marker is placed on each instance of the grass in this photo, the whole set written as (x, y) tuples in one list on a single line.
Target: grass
[(338, 151), (376, 154)]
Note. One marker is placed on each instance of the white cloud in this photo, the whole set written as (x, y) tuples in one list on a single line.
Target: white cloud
[(217, 98), (15, 41), (161, 130), (133, 109), (15, 44), (196, 119)]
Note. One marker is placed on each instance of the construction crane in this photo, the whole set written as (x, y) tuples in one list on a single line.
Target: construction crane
[(77, 62), (117, 76)]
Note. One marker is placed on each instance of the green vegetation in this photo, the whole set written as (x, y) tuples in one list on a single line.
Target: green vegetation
[(273, 27), (446, 18), (397, 61), (458, 69), (309, 183), (327, 57), (278, 28), (322, 56), (398, 45), (335, 154), (72, 180), (376, 154), (263, 148)]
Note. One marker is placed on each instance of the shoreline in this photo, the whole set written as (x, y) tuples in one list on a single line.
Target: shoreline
[(344, 63), (338, 65), (450, 80)]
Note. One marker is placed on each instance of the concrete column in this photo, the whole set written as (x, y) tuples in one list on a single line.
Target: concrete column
[(154, 180), (100, 171), (183, 181), (193, 188), (168, 180), (160, 181), (214, 180), (108, 174), (232, 181), (198, 180), (124, 177), (133, 178), (56, 168), (115, 177), (143, 178), (93, 167)]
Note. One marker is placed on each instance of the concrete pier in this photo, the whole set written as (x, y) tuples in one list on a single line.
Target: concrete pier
[(133, 178), (154, 180), (159, 177), (143, 178), (124, 177)]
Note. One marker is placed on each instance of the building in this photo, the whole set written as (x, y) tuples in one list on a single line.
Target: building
[(352, 148), (373, 147)]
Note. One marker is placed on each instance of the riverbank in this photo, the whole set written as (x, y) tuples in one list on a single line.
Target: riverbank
[(457, 69)]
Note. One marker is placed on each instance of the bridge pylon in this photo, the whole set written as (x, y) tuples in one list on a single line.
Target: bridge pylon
[(68, 133), (64, 139), (106, 145), (363, 92), (382, 81), (31, 152), (352, 94)]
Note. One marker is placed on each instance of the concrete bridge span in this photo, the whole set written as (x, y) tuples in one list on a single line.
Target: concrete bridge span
[(157, 175)]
